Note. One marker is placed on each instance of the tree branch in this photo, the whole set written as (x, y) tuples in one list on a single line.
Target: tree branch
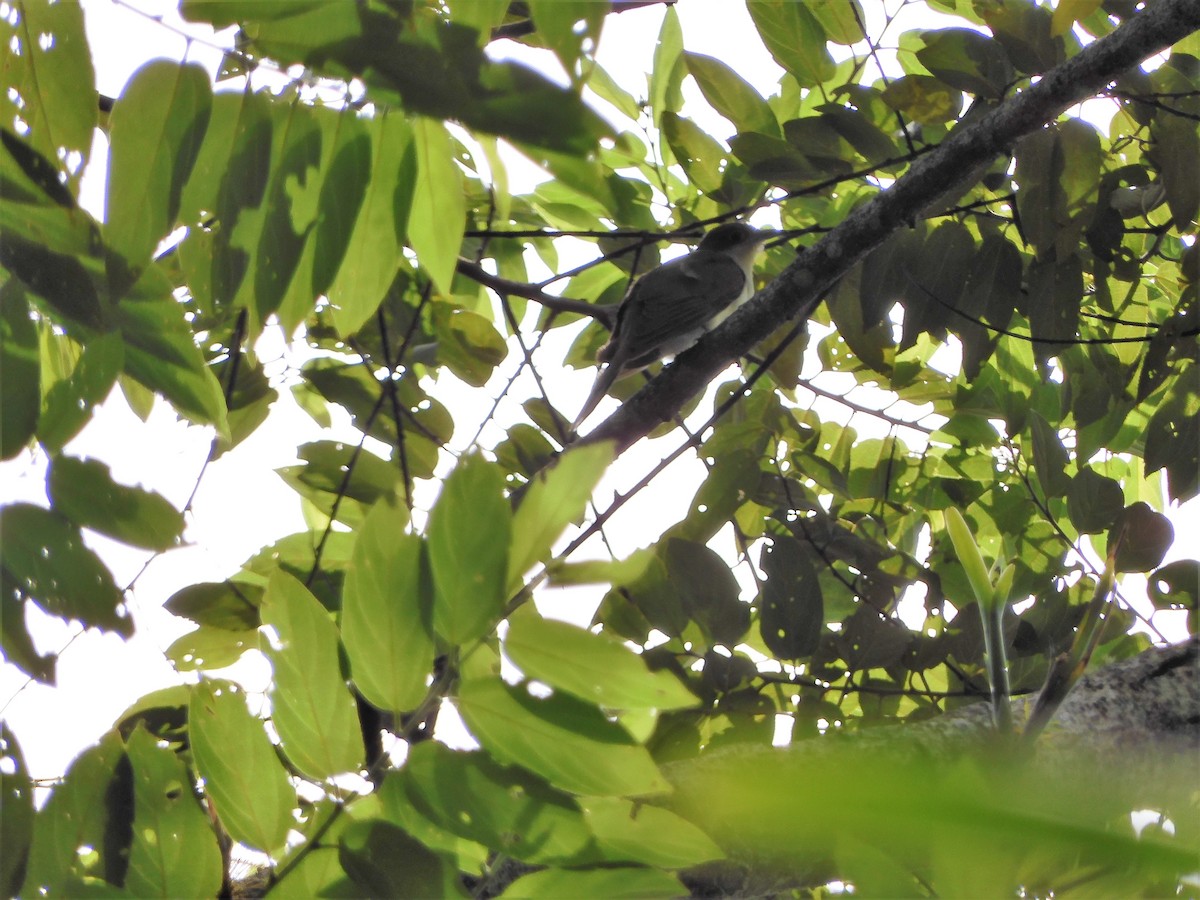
[(803, 284), (605, 315)]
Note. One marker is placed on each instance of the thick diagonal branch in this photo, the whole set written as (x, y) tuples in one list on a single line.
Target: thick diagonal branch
[(803, 284)]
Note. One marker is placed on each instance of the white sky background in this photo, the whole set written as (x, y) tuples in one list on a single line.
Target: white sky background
[(240, 506)]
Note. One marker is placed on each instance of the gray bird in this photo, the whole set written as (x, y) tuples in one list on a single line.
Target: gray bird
[(670, 307)]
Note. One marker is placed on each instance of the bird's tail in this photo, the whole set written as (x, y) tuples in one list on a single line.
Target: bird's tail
[(604, 380)]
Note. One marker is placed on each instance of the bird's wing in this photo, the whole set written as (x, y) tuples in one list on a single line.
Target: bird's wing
[(677, 299)]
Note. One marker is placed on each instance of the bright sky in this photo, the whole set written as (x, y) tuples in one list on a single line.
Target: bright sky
[(237, 509)]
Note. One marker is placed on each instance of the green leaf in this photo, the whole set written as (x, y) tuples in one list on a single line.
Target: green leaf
[(1068, 12), (641, 833), (967, 60), (16, 825), (607, 89), (469, 533), (481, 15), (160, 353), (385, 862), (792, 609), (312, 709), (593, 667), (473, 797), (174, 852), (796, 38), (556, 497), (45, 555), (438, 219), (700, 155), (1139, 538), (569, 743), (92, 807), (242, 775), (707, 589), (376, 242), (230, 605), (387, 608), (731, 95), (732, 478), (842, 20), (557, 23), (20, 371), (1093, 501), (48, 70), (969, 556), (156, 128), (468, 344), (923, 98), (621, 883), (67, 405), (223, 13), (209, 648), (84, 492), (666, 75)]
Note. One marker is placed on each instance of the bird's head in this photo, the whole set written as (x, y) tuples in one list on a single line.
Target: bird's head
[(736, 239)]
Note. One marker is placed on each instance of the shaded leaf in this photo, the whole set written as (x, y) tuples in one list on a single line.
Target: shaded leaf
[(229, 605), (20, 371), (91, 807), (1093, 501), (155, 131), (470, 795), (1139, 539), (47, 559), (707, 589), (791, 608), (174, 851), (386, 862), (1176, 585), (1049, 456), (84, 492), (16, 799)]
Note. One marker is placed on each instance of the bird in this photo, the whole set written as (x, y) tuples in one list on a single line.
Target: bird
[(671, 306)]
